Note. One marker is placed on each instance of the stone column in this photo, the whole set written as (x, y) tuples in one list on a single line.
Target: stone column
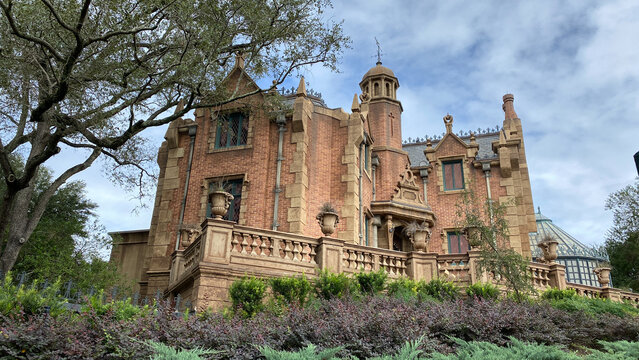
[(329, 254), (216, 241), (421, 266), (611, 293), (557, 275)]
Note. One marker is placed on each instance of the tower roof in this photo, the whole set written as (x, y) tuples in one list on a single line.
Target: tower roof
[(379, 69), (568, 246)]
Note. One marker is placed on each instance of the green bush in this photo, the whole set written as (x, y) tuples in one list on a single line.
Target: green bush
[(165, 352), (119, 309), (595, 306), (485, 291), (372, 282), (330, 285), (438, 289), (292, 289), (247, 294), (307, 353), (402, 288), (30, 300), (556, 294)]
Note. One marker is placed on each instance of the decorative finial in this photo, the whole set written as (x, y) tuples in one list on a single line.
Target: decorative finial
[(448, 121), (355, 106), (301, 88), (538, 210), (379, 52), (239, 60)]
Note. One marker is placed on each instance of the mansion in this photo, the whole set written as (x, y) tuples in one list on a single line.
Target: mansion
[(281, 167)]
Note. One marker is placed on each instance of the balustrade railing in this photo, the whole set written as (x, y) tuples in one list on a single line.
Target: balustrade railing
[(540, 274), (585, 290), (272, 244), (454, 267)]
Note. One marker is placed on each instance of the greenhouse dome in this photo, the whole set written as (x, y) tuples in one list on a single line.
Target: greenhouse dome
[(580, 260)]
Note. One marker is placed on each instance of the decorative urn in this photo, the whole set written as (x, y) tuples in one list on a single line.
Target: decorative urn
[(220, 201)]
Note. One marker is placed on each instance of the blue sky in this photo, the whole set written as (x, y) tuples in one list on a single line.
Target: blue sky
[(573, 67)]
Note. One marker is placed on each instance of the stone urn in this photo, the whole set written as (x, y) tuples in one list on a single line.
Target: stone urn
[(220, 201), (549, 248), (473, 235), (327, 221), (420, 239), (603, 275)]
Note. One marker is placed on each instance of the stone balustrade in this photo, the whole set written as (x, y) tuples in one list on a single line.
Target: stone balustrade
[(225, 251)]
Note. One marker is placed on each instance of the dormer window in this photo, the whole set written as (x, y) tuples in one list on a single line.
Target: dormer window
[(453, 175), (232, 130)]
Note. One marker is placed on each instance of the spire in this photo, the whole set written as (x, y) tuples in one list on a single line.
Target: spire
[(301, 88), (509, 109), (239, 60), (355, 106)]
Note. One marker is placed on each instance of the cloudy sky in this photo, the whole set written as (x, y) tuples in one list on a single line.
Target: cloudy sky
[(573, 67)]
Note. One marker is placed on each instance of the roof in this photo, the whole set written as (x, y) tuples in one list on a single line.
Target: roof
[(379, 70), (568, 245), (416, 155)]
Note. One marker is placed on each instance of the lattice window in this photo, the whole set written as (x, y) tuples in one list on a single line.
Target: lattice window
[(232, 130)]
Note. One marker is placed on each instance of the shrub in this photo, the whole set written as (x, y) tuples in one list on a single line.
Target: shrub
[(485, 291), (119, 309), (556, 294), (402, 288), (438, 289), (330, 285), (30, 300), (372, 282), (307, 353), (292, 289), (595, 306), (164, 352), (247, 295)]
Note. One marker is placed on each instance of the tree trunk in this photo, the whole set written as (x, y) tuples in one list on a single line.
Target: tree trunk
[(19, 231)]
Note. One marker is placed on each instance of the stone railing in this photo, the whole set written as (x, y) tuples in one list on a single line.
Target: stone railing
[(630, 297), (585, 290), (225, 251), (454, 267)]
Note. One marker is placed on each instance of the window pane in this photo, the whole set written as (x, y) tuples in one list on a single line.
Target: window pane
[(223, 135), (448, 176), (234, 123), (463, 244), (457, 176), (453, 244), (244, 131)]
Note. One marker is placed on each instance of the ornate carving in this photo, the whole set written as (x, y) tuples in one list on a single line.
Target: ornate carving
[(407, 189), (364, 97), (603, 275), (188, 234), (448, 121), (549, 249)]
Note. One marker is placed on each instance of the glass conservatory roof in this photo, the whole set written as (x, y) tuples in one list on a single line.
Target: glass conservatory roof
[(568, 245)]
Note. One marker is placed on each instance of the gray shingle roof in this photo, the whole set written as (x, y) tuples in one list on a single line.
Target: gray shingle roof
[(416, 150)]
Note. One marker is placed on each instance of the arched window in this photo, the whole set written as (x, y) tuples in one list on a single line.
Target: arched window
[(388, 89), (376, 89)]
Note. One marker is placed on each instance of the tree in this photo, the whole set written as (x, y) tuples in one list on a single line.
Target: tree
[(486, 228), (67, 241), (622, 241), (89, 76)]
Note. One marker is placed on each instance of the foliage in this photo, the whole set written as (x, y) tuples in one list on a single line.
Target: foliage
[(414, 226), (292, 289), (164, 352), (307, 353), (327, 208), (556, 294), (118, 309), (485, 291), (402, 288), (372, 282), (438, 289), (486, 226), (594, 306), (87, 77), (622, 240), (331, 285), (30, 300), (375, 326), (410, 351), (247, 295)]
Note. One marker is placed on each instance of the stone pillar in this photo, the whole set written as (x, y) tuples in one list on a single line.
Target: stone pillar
[(329, 254), (177, 265), (557, 275), (611, 294), (216, 241), (476, 275), (421, 266)]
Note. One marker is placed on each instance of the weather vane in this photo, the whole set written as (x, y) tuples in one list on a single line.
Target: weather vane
[(379, 51)]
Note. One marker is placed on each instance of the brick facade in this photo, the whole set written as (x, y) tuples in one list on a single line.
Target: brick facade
[(356, 161)]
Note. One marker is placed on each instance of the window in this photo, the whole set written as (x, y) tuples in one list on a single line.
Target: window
[(367, 156), (232, 130), (453, 175), (366, 227), (457, 243), (233, 187)]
